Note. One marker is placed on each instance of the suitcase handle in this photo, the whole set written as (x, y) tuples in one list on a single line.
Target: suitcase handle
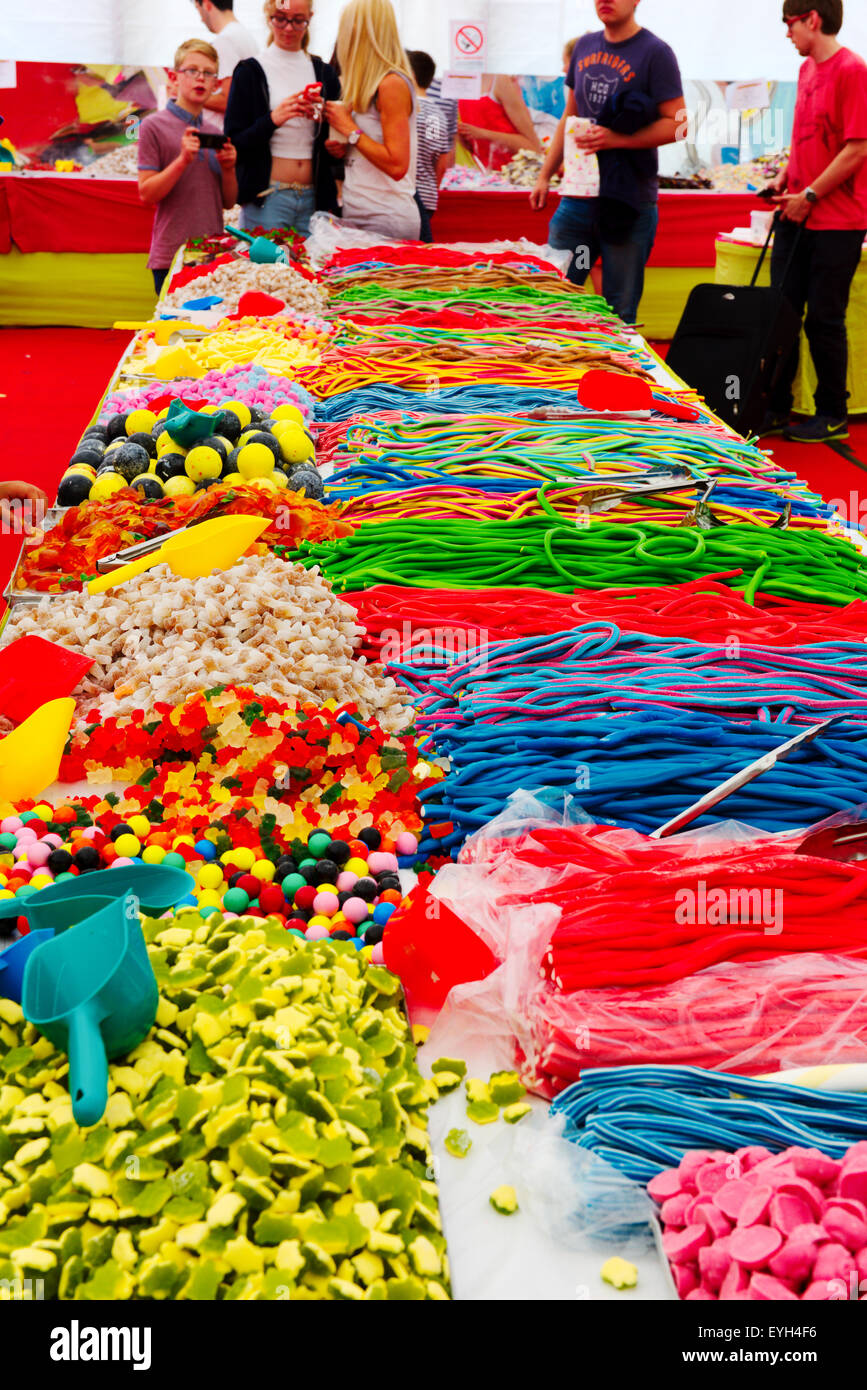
[(761, 260)]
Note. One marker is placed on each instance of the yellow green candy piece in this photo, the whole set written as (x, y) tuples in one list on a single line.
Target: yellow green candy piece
[(446, 1081), (458, 1143), (504, 1200), (619, 1273), (505, 1087), (513, 1113), (454, 1065), (483, 1112), (476, 1089)]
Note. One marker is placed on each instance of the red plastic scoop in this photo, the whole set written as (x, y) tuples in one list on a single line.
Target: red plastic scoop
[(33, 671), (599, 390), (257, 304), (431, 949)]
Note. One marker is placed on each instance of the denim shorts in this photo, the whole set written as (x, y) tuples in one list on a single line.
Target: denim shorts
[(285, 207), (575, 227)]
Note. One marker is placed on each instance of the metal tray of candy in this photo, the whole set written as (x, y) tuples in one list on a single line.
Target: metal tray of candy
[(16, 596)]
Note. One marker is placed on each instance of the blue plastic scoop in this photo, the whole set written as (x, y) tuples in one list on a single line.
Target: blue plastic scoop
[(93, 993)]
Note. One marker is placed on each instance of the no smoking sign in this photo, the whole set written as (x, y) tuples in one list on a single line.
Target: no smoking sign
[(468, 45), (469, 41)]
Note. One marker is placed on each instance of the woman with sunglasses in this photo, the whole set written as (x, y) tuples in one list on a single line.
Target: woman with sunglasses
[(377, 122), (285, 173)]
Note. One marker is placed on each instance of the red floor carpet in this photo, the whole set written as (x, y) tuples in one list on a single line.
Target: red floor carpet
[(51, 382)]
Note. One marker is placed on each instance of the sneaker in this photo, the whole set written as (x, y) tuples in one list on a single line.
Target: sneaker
[(773, 423), (820, 430)]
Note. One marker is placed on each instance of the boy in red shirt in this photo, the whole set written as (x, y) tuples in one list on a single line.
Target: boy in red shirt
[(824, 186)]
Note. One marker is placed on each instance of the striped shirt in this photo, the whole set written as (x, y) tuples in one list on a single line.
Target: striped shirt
[(433, 141)]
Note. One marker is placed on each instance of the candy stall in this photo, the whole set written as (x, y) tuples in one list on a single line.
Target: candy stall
[(432, 778)]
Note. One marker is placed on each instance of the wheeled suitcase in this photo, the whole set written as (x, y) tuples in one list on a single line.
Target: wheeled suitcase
[(732, 343)]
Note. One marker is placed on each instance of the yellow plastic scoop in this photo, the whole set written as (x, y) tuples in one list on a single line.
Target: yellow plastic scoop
[(212, 545), (30, 755), (165, 331)]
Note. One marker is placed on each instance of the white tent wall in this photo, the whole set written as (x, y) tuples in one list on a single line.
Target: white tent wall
[(732, 39)]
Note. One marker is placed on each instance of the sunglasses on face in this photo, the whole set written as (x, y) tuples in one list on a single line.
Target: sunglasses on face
[(297, 21), (197, 72), (796, 19)]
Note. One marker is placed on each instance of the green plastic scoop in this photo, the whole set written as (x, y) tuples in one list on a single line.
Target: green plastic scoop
[(157, 887), (93, 993), (262, 251)]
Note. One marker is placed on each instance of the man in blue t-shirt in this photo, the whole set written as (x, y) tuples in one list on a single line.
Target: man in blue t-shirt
[(628, 81)]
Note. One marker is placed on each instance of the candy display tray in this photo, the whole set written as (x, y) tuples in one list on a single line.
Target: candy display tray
[(22, 597)]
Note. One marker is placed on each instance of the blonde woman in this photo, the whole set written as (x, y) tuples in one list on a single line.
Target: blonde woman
[(375, 123), (285, 173)]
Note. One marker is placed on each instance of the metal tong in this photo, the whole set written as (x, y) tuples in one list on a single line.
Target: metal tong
[(742, 778)]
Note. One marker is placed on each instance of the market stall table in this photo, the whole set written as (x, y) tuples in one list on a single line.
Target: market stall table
[(73, 250), (735, 264), (689, 224)]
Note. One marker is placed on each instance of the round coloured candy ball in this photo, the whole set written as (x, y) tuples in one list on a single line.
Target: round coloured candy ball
[(203, 464), (236, 900), (179, 487), (290, 885), (255, 461), (130, 459), (239, 410), (271, 899), (74, 489), (382, 912), (295, 445), (139, 825), (209, 876), (106, 486), (147, 485), (308, 482), (127, 844), (319, 843), (406, 844), (287, 412), (264, 870), (206, 849), (326, 903), (153, 854), (243, 857), (355, 910), (317, 931), (139, 420)]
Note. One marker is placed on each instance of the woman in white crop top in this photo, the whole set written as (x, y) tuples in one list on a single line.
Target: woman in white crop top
[(282, 127), (376, 122)]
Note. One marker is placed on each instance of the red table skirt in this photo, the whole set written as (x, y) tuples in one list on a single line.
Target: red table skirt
[(65, 214), (689, 223), (106, 215)]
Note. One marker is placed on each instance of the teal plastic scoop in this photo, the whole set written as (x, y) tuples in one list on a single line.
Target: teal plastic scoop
[(158, 887), (93, 993), (262, 251)]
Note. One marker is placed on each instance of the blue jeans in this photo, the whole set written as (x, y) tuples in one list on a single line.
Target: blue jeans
[(286, 207), (575, 227)]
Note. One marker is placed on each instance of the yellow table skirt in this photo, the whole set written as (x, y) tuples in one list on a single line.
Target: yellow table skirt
[(74, 289), (735, 265), (666, 290)]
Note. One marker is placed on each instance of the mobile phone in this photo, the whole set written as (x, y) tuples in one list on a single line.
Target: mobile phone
[(766, 193), (210, 140)]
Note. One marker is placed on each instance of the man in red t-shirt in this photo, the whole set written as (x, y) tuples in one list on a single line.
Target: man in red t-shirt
[(822, 195)]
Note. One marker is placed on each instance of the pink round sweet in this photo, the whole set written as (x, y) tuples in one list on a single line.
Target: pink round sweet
[(316, 933), (406, 843), (9, 824), (355, 910), (23, 868), (38, 853), (52, 839), (380, 862), (377, 956), (346, 881), (122, 862), (90, 832), (326, 903), (26, 836)]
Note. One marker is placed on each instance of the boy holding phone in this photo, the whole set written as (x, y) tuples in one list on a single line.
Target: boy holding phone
[(189, 185)]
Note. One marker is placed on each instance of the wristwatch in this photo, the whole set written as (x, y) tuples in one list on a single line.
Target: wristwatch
[(354, 137), (811, 195)]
